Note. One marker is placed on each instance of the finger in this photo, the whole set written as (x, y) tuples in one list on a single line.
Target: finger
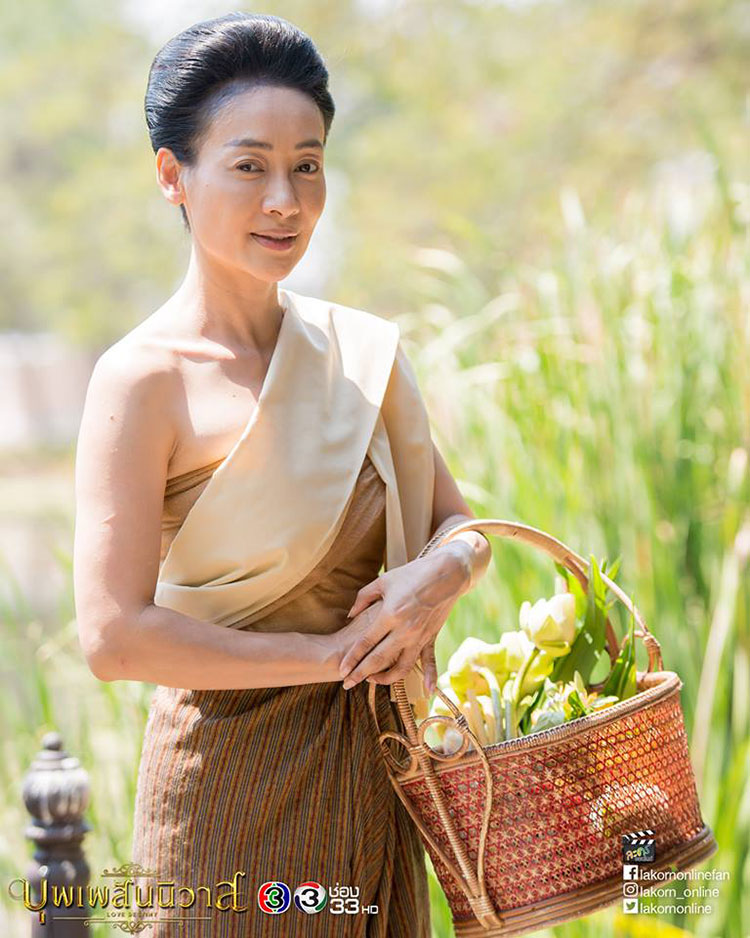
[(382, 657), (429, 666), (397, 671), (376, 628), (368, 593)]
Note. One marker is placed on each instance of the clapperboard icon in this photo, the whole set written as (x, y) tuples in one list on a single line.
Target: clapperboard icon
[(638, 847)]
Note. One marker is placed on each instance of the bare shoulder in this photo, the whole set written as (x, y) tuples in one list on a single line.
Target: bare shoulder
[(136, 363), (139, 370), (129, 409)]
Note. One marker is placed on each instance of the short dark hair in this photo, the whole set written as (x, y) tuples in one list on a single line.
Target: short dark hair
[(197, 71)]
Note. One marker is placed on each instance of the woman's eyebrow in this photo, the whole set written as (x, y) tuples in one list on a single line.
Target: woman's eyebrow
[(264, 145)]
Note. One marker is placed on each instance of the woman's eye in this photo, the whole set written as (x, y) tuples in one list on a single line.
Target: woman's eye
[(249, 166)]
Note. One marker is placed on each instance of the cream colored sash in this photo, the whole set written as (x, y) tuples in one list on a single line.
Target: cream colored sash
[(338, 387)]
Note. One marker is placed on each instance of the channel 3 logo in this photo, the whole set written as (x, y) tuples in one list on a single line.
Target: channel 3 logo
[(274, 897), (310, 897)]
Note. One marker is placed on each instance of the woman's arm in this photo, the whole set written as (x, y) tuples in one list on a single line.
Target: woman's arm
[(448, 508), (176, 650), (405, 608), (125, 441)]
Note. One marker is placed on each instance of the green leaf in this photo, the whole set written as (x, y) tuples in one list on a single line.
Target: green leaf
[(590, 640), (622, 677), (548, 720), (612, 572), (630, 687), (575, 703), (601, 669), (615, 678), (537, 700), (575, 588)]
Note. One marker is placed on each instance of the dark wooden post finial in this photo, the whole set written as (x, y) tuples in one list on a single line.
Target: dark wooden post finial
[(56, 793)]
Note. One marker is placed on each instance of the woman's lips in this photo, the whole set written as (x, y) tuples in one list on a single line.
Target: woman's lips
[(275, 244)]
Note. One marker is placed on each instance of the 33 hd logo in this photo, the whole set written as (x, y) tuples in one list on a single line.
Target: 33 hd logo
[(274, 897), (310, 897)]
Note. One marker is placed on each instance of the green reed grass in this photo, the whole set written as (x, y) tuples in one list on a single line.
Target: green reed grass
[(605, 398)]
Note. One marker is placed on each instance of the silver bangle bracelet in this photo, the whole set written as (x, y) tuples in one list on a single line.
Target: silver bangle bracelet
[(439, 535)]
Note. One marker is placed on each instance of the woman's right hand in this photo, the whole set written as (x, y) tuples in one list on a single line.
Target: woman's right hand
[(355, 628), (347, 637)]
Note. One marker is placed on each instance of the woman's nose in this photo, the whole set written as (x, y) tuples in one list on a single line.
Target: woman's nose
[(280, 194)]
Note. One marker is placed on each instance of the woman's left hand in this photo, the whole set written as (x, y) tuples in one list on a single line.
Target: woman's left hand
[(416, 600)]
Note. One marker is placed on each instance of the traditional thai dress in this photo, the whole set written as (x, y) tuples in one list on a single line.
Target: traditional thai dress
[(331, 480)]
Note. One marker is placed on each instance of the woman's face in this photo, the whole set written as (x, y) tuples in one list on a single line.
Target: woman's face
[(259, 169)]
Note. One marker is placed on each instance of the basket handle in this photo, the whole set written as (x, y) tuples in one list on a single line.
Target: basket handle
[(577, 565), (550, 545)]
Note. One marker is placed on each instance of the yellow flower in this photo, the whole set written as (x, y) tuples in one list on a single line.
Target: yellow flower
[(468, 665), (539, 667), (439, 735), (550, 623)]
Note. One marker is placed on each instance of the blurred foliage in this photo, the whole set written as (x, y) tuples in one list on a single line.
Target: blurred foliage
[(458, 122)]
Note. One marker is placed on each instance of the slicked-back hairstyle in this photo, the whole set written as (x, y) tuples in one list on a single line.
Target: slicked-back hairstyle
[(197, 71)]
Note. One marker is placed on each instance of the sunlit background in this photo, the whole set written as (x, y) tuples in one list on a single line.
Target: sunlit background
[(553, 199)]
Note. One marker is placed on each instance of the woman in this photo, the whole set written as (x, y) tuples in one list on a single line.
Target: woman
[(247, 460)]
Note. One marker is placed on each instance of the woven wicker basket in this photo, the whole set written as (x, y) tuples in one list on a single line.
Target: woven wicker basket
[(527, 833)]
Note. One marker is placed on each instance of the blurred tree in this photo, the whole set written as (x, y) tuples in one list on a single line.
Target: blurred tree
[(458, 123)]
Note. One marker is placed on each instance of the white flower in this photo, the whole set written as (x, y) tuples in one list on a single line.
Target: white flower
[(550, 623)]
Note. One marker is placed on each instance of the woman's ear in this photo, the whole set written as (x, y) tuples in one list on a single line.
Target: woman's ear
[(169, 173)]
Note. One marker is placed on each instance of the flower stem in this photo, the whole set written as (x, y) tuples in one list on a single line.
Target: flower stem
[(521, 676)]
